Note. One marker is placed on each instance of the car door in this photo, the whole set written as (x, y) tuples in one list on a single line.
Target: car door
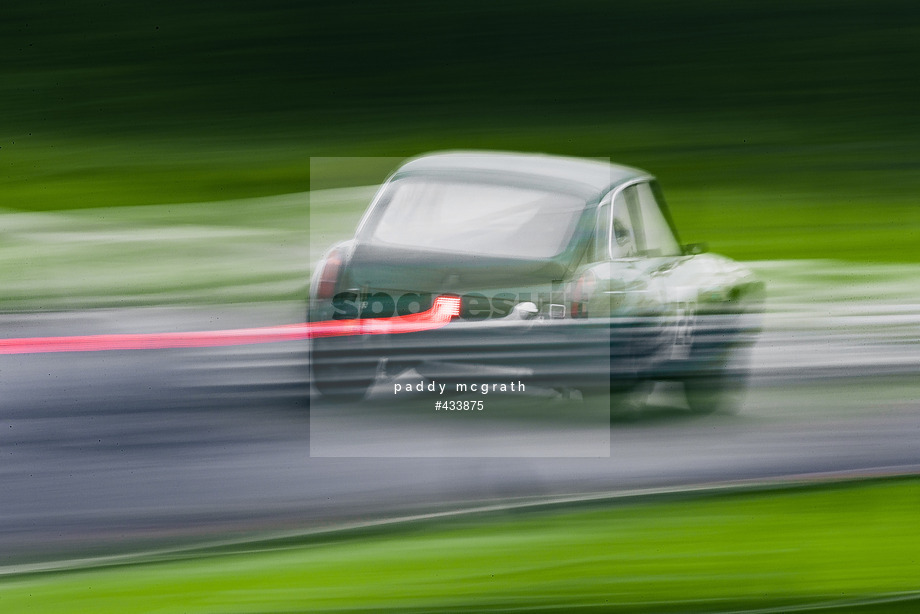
[(663, 262)]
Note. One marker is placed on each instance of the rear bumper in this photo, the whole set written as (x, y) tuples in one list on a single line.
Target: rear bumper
[(550, 352), (547, 352)]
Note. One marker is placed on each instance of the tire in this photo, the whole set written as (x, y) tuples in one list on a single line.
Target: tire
[(341, 373), (719, 386), (631, 400), (336, 385)]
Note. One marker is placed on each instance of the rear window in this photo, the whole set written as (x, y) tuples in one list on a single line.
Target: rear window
[(475, 218)]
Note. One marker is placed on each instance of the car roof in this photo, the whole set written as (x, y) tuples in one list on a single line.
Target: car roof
[(593, 175)]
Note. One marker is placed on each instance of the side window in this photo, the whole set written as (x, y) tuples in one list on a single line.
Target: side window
[(656, 237), (623, 238), (602, 234)]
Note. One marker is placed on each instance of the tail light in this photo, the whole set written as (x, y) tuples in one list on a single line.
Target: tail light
[(329, 276), (582, 293)]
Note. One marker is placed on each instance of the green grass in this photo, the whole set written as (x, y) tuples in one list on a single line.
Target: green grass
[(52, 172), (843, 544)]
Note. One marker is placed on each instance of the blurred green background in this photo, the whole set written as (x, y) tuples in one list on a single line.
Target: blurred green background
[(785, 129), (811, 548)]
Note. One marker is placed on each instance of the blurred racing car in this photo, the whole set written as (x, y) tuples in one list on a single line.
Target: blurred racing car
[(570, 274)]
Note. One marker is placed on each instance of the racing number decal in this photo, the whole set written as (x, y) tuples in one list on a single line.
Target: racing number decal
[(684, 322)]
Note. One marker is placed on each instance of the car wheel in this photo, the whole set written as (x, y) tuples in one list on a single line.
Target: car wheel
[(334, 382), (630, 400), (718, 393), (340, 372), (719, 386)]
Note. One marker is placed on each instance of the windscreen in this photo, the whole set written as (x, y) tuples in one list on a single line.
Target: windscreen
[(489, 219)]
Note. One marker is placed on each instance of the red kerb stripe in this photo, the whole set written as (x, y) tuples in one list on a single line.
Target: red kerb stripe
[(444, 308)]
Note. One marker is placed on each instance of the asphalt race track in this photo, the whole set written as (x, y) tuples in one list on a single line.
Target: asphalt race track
[(117, 451)]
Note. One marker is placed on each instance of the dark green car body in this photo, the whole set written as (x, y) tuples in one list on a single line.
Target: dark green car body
[(569, 271)]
